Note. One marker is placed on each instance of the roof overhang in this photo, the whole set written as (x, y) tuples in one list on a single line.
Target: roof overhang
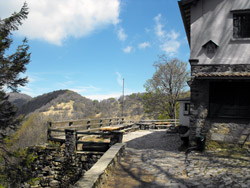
[(223, 75), (185, 7), (184, 99)]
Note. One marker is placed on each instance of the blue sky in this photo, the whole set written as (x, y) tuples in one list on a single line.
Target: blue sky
[(89, 46)]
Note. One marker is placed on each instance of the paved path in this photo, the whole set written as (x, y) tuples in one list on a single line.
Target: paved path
[(152, 160)]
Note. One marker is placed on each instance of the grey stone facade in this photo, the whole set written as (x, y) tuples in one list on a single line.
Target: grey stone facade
[(229, 130)]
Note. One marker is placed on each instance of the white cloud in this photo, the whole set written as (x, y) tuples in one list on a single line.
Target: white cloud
[(55, 21), (172, 35), (159, 27), (121, 34), (29, 91), (109, 95), (169, 41), (103, 96), (128, 49), (84, 90), (170, 47), (119, 79), (144, 45)]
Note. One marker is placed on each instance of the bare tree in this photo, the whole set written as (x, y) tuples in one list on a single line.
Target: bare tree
[(165, 87)]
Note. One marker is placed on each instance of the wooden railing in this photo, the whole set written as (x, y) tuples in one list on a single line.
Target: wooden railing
[(56, 129), (73, 141), (170, 121), (102, 146), (86, 123)]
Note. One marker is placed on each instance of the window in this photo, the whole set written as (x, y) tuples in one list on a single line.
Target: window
[(187, 109), (241, 25), (229, 99)]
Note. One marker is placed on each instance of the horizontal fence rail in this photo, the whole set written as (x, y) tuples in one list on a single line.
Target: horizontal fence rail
[(56, 129), (158, 124), (103, 128)]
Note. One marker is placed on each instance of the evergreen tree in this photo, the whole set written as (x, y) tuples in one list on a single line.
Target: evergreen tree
[(11, 65)]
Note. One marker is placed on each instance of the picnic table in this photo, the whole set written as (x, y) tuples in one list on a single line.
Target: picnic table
[(111, 128), (143, 125), (162, 123)]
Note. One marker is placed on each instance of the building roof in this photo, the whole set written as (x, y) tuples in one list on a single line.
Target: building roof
[(210, 42), (185, 6), (184, 99), (203, 75)]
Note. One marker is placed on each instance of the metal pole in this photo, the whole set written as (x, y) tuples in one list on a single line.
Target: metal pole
[(122, 97), (175, 115)]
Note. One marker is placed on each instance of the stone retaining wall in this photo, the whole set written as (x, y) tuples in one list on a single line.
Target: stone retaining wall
[(61, 166), (97, 175), (53, 168)]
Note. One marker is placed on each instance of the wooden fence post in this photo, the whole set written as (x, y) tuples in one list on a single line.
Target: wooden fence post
[(70, 142), (49, 131), (88, 124), (100, 123)]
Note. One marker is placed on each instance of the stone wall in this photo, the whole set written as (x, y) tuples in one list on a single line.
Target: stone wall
[(61, 166), (233, 131), (199, 108), (99, 173), (198, 68), (53, 168)]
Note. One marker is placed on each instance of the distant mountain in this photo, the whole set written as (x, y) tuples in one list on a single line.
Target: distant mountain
[(18, 99), (60, 104), (66, 104)]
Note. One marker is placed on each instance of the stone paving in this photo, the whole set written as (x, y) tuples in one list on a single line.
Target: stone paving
[(152, 160)]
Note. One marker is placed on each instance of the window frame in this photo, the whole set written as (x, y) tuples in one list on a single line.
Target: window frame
[(186, 110), (243, 33)]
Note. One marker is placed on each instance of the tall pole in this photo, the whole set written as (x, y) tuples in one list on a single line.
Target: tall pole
[(122, 97)]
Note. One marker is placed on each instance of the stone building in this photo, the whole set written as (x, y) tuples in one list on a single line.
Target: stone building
[(218, 32), (184, 111)]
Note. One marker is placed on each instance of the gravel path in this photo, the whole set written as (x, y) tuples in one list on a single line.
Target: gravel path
[(152, 160)]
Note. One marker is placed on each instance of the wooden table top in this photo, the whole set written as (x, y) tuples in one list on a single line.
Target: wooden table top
[(162, 123), (111, 128)]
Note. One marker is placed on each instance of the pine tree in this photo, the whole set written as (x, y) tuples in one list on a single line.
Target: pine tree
[(11, 65)]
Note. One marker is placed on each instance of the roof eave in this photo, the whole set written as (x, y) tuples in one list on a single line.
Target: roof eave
[(181, 3)]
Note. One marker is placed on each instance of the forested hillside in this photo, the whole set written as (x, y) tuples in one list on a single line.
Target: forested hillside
[(59, 105), (18, 99), (66, 105)]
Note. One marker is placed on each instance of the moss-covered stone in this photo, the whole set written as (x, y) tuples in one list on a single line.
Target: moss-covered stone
[(226, 149)]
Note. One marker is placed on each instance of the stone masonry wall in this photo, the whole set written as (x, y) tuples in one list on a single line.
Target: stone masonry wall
[(199, 108), (60, 166), (52, 168), (196, 68)]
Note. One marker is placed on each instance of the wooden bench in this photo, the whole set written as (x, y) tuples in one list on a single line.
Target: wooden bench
[(110, 129), (144, 126), (163, 125), (116, 127)]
